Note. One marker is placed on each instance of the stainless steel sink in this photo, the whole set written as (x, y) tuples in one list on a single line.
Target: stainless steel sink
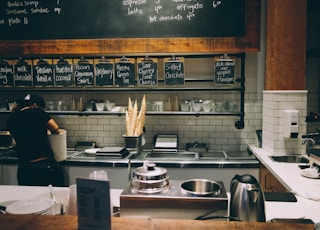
[(289, 159), (173, 156), (213, 155)]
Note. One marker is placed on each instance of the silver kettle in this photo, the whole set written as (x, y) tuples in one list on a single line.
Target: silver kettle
[(247, 202)]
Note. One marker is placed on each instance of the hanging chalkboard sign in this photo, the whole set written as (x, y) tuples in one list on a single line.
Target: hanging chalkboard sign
[(147, 71), (23, 73), (72, 19), (6, 73), (42, 73), (174, 71), (84, 73), (124, 72), (104, 72), (63, 73), (224, 70)]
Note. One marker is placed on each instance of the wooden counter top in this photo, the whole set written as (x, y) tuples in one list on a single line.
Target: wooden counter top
[(32, 222)]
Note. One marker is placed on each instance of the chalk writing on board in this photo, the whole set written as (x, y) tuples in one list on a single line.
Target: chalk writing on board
[(19, 12), (6, 73), (174, 71), (147, 72), (23, 73), (84, 73), (43, 73), (66, 19), (104, 72), (224, 70), (63, 71), (124, 70)]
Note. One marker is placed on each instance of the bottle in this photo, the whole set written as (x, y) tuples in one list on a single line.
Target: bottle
[(59, 106), (73, 105), (80, 105)]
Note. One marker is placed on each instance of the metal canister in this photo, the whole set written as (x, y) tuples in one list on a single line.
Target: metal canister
[(149, 179)]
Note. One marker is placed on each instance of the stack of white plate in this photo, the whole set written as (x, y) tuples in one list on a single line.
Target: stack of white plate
[(39, 206)]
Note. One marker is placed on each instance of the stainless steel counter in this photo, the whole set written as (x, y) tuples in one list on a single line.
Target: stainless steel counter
[(169, 203), (180, 159)]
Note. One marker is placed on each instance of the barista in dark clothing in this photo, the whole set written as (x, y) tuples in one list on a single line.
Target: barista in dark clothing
[(28, 124)]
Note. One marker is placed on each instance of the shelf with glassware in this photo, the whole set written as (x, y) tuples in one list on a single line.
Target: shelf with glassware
[(163, 74)]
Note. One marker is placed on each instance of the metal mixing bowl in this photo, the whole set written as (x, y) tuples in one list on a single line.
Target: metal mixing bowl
[(200, 187)]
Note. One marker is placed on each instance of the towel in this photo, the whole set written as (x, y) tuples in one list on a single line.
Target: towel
[(311, 195)]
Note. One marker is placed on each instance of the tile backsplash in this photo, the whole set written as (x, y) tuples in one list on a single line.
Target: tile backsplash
[(219, 131), (274, 104)]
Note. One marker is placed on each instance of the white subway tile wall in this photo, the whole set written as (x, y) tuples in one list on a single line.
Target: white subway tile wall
[(274, 104), (219, 131)]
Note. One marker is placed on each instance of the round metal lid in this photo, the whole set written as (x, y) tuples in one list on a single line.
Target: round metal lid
[(149, 171)]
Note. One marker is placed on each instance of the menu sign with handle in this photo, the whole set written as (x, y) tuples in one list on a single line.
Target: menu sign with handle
[(43, 73), (84, 73), (147, 71), (124, 72), (23, 73), (104, 72), (6, 73), (174, 71), (63, 73), (224, 70)]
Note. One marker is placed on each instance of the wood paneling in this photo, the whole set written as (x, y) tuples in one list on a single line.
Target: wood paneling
[(31, 222), (286, 45), (268, 181), (249, 43)]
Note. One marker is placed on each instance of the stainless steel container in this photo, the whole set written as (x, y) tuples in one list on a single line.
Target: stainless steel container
[(149, 179), (168, 204), (200, 187)]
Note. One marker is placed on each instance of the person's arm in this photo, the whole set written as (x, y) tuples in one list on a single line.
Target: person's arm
[(53, 126)]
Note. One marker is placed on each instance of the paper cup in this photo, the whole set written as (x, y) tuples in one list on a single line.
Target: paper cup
[(58, 144), (72, 201)]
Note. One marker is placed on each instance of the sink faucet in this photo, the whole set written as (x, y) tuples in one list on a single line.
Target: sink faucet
[(310, 139), (309, 142)]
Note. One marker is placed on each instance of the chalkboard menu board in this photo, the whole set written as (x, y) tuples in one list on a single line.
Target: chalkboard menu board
[(147, 71), (6, 73), (23, 73), (63, 72), (71, 19), (124, 72), (224, 70), (104, 72), (84, 72), (42, 73), (174, 71)]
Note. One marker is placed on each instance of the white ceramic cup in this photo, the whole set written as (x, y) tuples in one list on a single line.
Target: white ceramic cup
[(196, 107), (206, 106), (100, 106)]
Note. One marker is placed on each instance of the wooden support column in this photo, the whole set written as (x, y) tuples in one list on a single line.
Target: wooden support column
[(286, 45)]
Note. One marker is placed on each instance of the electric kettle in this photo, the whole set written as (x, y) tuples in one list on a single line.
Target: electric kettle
[(247, 201)]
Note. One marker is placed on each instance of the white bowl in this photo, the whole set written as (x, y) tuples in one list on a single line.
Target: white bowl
[(110, 105)]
